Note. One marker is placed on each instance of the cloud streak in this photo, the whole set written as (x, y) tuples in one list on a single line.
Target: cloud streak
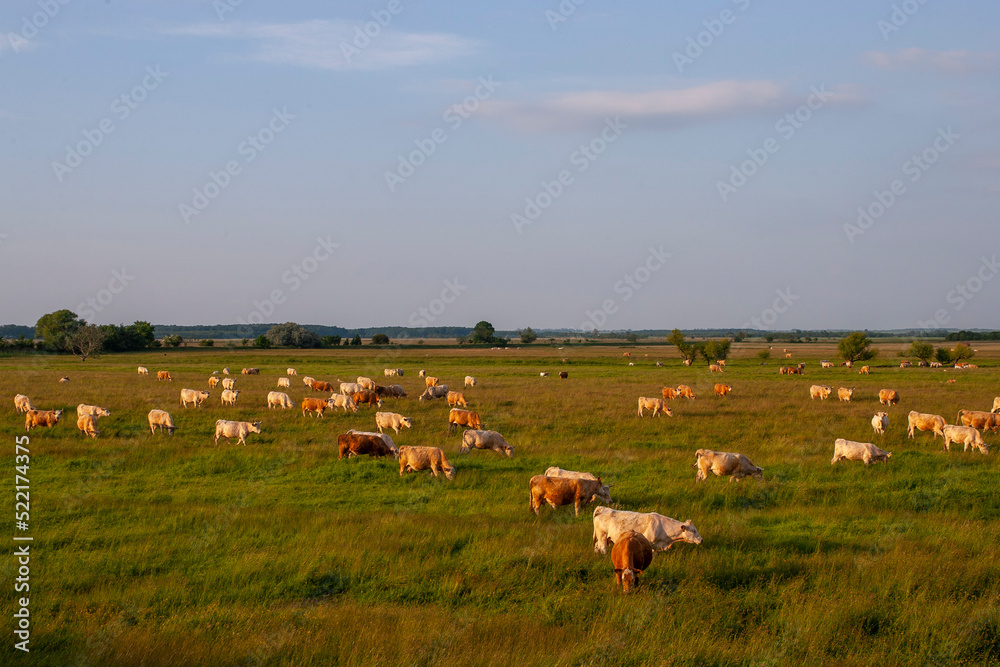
[(934, 62)]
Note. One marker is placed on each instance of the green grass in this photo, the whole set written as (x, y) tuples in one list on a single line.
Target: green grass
[(174, 550)]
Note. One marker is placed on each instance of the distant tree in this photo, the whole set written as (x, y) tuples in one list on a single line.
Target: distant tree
[(56, 328), (769, 338), (86, 341), (921, 350), (961, 352), (330, 341), (740, 336), (380, 339), (262, 342), (172, 340), (632, 337), (687, 350), (206, 342), (528, 335), (291, 334), (245, 342), (356, 341), (943, 355), (483, 334), (714, 350), (856, 347), (764, 354)]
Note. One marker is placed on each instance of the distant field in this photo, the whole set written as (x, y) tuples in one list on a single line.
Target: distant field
[(174, 550)]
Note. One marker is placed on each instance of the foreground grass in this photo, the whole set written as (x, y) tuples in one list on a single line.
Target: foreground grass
[(159, 550)]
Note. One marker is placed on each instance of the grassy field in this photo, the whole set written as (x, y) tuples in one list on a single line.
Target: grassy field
[(174, 550)]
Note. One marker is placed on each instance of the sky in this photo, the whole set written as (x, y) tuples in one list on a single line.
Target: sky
[(581, 164)]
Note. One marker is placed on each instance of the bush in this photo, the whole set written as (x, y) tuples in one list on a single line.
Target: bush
[(356, 341), (764, 354), (380, 339), (330, 341), (262, 342), (943, 355), (206, 342), (291, 334), (527, 335), (172, 340), (856, 347), (921, 350)]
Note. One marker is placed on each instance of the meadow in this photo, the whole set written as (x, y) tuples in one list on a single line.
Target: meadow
[(160, 550)]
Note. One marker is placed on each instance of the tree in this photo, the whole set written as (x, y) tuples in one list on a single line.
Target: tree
[(172, 340), (262, 342), (740, 336), (961, 352), (483, 334), (206, 342), (715, 349), (528, 335), (291, 334), (764, 354), (921, 350), (330, 341), (856, 347), (380, 339), (86, 341), (943, 355), (356, 341), (56, 328), (687, 350), (632, 337)]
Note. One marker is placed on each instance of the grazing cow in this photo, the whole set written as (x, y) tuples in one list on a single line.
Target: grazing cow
[(414, 459), (22, 403), (822, 392), (466, 418), (714, 368), (366, 383), (684, 391), (905, 364), (996, 404), (687, 362), (231, 429), (350, 388), (64, 379), (250, 371), (470, 381), (422, 373), (431, 381), (192, 396), (307, 381), (92, 410), (87, 424), (981, 420), (848, 364), (369, 398), (724, 463), (655, 404), (880, 422), (143, 370), (919, 421), (397, 391), (659, 364), (721, 362), (46, 418), (382, 390), (291, 371), (543, 374), (923, 364), (848, 450), (319, 385), (783, 370), (160, 419), (722, 389), (229, 396), (845, 394), (279, 399), (228, 383), (792, 370), (284, 382), (358, 444), (631, 556), (951, 381), (826, 364), (385, 438), (315, 405), (788, 355), (225, 371), (888, 396), (669, 393), (395, 421), (342, 401), (477, 439), (865, 370), (936, 364), (457, 398), (563, 375), (661, 531), (627, 354), (164, 375), (558, 491), (390, 372), (431, 393), (964, 435), (213, 381)]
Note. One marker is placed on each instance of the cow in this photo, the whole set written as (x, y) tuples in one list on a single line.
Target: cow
[(655, 404), (143, 370), (213, 381), (164, 375), (366, 383), (231, 429), (684, 391), (714, 368), (888, 396), (880, 422), (558, 491), (996, 404), (22, 403), (357, 444), (848, 364), (631, 556), (46, 418), (563, 375), (397, 391), (470, 381), (229, 396), (845, 394), (724, 463), (284, 382), (782, 370), (951, 381), (865, 370), (349, 388), (905, 364), (457, 398), (923, 364), (160, 419), (225, 371), (279, 399), (92, 410), (965, 435), (385, 420), (342, 401), (382, 390), (924, 422), (825, 364), (478, 439), (661, 531), (627, 354), (390, 372), (365, 397), (291, 371), (822, 392), (466, 418), (422, 373), (315, 405), (192, 396), (228, 383), (555, 471), (87, 424), (543, 374), (669, 393), (687, 362), (431, 381), (307, 381), (792, 370), (981, 420), (659, 364), (431, 393), (721, 362), (64, 379), (936, 364), (414, 459), (848, 450), (319, 385), (788, 355), (250, 371)]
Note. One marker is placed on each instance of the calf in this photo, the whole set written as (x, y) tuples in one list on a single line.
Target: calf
[(319, 385), (684, 391), (669, 393), (880, 422)]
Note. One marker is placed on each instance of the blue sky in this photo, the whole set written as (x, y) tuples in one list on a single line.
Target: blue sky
[(621, 165)]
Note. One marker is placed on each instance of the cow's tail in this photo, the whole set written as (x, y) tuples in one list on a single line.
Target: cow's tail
[(958, 419)]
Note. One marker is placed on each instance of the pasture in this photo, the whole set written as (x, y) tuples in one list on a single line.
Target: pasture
[(174, 550)]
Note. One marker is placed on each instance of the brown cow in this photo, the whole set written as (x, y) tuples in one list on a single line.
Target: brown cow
[(356, 444), (924, 422), (369, 398), (722, 389), (87, 424), (430, 381), (319, 385), (466, 418), (669, 393), (46, 418), (163, 375), (865, 370), (684, 391), (980, 420), (888, 396), (315, 405), (558, 491), (631, 555), (457, 398), (563, 374)]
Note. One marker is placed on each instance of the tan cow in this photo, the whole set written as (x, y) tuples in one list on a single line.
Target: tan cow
[(366, 383), (936, 364), (822, 392), (964, 435), (669, 393), (291, 371), (714, 368), (22, 403), (848, 364), (431, 381), (212, 382), (393, 420), (924, 422), (905, 364), (439, 391), (722, 389), (315, 406), (880, 422), (865, 370), (228, 383), (558, 491), (457, 398), (478, 439), (783, 370), (232, 429), (996, 404), (163, 375), (87, 424), (422, 373), (192, 396), (982, 420), (143, 370), (250, 371), (788, 355), (229, 397), (888, 396), (470, 381), (721, 362), (279, 399), (848, 450), (655, 404), (345, 402), (466, 418), (826, 364), (319, 385), (845, 394), (724, 463), (414, 459), (631, 556), (160, 419), (92, 410), (684, 391), (46, 418)]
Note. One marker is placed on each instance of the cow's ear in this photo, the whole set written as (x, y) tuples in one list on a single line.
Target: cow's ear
[(618, 570)]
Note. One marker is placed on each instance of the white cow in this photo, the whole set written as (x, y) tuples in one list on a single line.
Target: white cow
[(724, 463), (284, 382), (387, 420), (192, 396), (92, 410), (291, 371), (661, 531), (439, 391), (229, 396), (350, 388), (307, 381), (880, 422), (996, 404), (964, 435), (22, 403), (143, 370), (848, 450), (343, 401), (160, 419), (470, 381), (485, 440), (239, 430), (228, 383), (366, 383), (279, 399)]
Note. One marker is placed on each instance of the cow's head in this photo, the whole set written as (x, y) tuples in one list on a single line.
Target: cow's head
[(689, 533), (628, 578), (103, 412), (759, 474), (407, 422), (603, 492), (59, 414), (254, 427), (449, 473), (508, 450)]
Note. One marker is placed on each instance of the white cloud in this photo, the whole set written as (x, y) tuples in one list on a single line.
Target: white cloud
[(938, 62), (335, 44)]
